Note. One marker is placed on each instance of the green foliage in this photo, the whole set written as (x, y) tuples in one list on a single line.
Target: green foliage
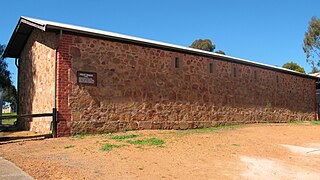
[(108, 147), (314, 70), (205, 45), (139, 147), (122, 137), (4, 73), (70, 146), (311, 42), (10, 92), (10, 95), (150, 141), (315, 122), (211, 129), (9, 121), (294, 66), (296, 122), (220, 52)]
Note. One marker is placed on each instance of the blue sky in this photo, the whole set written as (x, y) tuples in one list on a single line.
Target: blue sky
[(269, 31)]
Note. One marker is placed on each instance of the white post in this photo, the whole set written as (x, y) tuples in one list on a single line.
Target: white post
[(1, 102)]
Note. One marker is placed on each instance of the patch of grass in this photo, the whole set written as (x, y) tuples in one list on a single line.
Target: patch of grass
[(150, 141), (70, 146), (315, 122), (9, 121), (211, 129), (236, 145), (109, 147), (81, 136), (296, 122), (139, 147), (122, 137)]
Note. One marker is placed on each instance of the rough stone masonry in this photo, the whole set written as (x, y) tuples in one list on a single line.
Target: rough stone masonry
[(144, 87)]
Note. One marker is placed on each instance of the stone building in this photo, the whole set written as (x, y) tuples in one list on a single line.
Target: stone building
[(103, 81)]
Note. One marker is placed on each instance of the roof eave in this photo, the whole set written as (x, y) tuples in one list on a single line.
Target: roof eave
[(185, 49), (17, 31), (46, 25)]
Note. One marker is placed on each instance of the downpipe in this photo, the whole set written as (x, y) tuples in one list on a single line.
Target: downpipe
[(54, 111)]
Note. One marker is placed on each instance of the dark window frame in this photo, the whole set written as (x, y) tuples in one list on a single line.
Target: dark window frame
[(211, 68), (234, 72), (177, 63)]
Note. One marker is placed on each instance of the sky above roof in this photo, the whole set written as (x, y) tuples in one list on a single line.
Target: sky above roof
[(269, 32)]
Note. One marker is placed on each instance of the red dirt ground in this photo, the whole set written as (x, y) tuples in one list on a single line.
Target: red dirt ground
[(268, 151)]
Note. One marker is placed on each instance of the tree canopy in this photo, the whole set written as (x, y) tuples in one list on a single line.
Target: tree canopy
[(314, 70), (9, 90), (311, 42), (203, 44), (220, 52), (4, 73), (294, 66)]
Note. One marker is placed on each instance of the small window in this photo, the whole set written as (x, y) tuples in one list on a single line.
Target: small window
[(177, 62), (255, 76), (211, 68), (277, 78), (234, 72)]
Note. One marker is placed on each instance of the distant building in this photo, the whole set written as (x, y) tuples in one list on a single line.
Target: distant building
[(317, 93), (103, 82), (6, 109)]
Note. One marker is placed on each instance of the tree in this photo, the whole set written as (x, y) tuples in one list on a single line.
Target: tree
[(4, 73), (314, 70), (9, 90), (205, 45), (10, 96), (294, 66), (220, 52), (311, 42)]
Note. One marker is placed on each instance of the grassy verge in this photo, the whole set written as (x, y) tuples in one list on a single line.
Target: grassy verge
[(123, 137), (149, 142), (9, 121), (210, 129), (315, 122)]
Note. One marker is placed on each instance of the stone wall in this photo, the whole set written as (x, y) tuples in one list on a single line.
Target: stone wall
[(140, 88), (36, 79)]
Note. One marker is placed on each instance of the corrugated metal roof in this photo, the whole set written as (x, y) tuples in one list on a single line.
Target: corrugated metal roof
[(45, 25)]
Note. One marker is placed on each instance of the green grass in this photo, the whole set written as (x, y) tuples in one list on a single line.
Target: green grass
[(70, 146), (109, 147), (236, 145), (81, 136), (140, 147), (315, 122), (9, 121), (210, 129), (296, 122), (123, 137), (150, 142)]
